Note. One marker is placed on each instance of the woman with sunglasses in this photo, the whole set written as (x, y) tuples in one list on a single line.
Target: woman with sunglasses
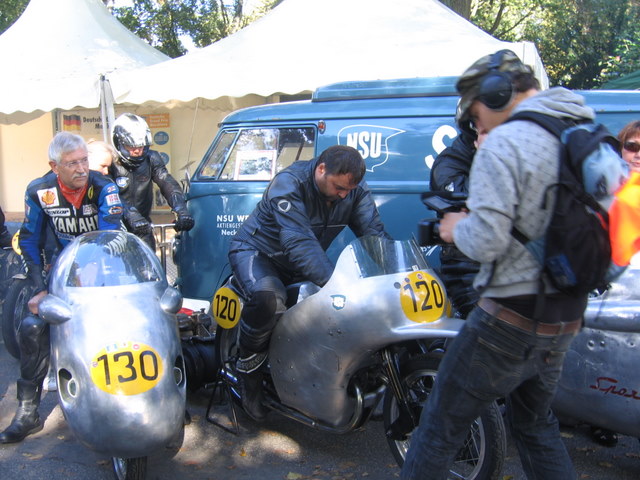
[(629, 138)]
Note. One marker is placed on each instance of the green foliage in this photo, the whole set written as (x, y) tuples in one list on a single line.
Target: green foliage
[(10, 10), (582, 43), (165, 23)]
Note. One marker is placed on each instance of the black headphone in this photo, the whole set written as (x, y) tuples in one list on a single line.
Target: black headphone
[(496, 88)]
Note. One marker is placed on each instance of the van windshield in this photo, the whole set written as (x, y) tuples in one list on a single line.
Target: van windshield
[(258, 153)]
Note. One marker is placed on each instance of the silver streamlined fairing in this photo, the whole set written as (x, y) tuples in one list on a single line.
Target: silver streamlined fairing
[(115, 345), (324, 339), (600, 382)]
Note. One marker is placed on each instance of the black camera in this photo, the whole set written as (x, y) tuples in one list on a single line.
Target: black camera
[(440, 202)]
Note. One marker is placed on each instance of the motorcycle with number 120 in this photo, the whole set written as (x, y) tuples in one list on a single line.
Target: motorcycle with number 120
[(373, 335)]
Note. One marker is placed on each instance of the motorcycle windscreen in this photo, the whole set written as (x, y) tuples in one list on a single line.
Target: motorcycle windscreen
[(380, 256), (106, 259)]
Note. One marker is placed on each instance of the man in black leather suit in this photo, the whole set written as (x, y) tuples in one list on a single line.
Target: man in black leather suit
[(284, 240), (135, 170), (450, 173)]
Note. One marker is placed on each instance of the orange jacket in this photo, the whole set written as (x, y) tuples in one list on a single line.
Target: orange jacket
[(624, 221)]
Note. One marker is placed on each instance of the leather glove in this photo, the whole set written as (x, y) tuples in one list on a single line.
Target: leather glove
[(183, 223), (136, 223), (141, 227)]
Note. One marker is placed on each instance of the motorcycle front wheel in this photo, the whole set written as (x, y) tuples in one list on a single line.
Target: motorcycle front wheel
[(129, 468), (14, 310), (482, 455)]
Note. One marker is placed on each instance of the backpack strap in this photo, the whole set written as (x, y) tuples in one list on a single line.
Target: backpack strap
[(555, 126)]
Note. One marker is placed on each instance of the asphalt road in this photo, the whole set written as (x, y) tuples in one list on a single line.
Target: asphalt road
[(277, 449)]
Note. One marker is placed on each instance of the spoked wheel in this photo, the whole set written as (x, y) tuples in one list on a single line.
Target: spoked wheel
[(14, 310), (129, 468), (482, 455)]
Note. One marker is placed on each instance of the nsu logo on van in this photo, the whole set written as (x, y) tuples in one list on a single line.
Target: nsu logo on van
[(370, 140)]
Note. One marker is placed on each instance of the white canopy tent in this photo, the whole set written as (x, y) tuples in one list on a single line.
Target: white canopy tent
[(55, 53), (303, 44), (54, 56)]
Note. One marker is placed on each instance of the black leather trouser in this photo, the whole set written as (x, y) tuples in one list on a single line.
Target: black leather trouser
[(263, 285), (33, 339)]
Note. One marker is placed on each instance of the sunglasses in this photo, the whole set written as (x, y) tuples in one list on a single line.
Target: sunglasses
[(631, 146)]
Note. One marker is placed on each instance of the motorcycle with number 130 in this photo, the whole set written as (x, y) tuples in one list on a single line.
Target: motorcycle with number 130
[(374, 333)]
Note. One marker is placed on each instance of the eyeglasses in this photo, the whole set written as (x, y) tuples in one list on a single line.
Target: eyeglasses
[(84, 162), (632, 146)]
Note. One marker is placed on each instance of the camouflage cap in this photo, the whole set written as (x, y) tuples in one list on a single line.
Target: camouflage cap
[(468, 84)]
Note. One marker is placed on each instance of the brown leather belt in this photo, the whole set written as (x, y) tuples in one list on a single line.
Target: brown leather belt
[(515, 319)]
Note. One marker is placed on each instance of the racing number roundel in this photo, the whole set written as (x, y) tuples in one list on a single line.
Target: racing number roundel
[(422, 297), (226, 307), (126, 368), (15, 243)]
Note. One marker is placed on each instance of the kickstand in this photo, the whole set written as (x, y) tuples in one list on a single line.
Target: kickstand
[(226, 389)]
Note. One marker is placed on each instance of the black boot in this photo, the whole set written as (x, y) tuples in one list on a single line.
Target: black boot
[(26, 420), (250, 378)]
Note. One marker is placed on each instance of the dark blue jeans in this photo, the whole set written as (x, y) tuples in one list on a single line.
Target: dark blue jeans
[(490, 359)]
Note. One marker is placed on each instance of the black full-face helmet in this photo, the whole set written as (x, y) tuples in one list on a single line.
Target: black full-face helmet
[(130, 130)]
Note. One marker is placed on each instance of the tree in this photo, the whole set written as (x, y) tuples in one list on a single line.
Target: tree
[(462, 7), (582, 43), (165, 24), (10, 10)]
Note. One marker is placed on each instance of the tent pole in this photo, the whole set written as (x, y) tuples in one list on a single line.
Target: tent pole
[(107, 114)]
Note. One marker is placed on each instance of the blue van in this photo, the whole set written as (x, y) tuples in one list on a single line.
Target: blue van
[(399, 127)]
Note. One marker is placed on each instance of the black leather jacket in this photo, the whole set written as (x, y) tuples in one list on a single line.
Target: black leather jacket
[(294, 226), (136, 187), (451, 168)]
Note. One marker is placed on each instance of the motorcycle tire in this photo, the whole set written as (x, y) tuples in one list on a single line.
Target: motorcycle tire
[(129, 468), (14, 310), (10, 266), (482, 455)]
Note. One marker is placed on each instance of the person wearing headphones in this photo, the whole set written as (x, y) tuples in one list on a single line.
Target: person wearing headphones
[(501, 352), (135, 170)]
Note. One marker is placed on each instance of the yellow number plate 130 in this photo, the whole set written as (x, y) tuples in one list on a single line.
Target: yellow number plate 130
[(126, 368)]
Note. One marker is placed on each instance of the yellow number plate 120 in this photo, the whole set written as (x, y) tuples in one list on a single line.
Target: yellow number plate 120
[(422, 297), (126, 368)]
